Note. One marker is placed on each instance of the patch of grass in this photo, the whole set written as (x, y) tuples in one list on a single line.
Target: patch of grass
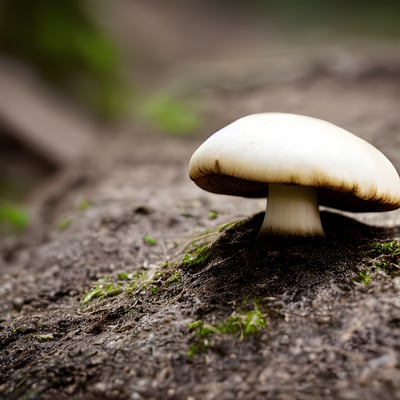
[(240, 323)]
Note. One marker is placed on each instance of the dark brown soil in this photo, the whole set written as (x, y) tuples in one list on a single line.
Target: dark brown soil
[(326, 335), (243, 265)]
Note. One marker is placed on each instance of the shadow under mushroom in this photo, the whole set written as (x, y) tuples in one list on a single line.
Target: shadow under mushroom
[(241, 265)]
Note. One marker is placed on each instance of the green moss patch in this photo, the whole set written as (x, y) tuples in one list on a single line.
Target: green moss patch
[(240, 324)]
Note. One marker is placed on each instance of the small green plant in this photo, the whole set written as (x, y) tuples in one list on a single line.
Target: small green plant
[(196, 257), (391, 249), (240, 323), (170, 115), (84, 205), (123, 276), (134, 283), (197, 250), (209, 236), (363, 277), (104, 288), (173, 278), (149, 240), (213, 214), (138, 281), (385, 258), (383, 266), (13, 218), (44, 338)]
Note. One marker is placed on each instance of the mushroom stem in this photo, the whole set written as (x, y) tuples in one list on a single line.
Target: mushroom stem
[(292, 210)]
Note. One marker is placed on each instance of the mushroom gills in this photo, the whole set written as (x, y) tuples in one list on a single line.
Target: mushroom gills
[(292, 210)]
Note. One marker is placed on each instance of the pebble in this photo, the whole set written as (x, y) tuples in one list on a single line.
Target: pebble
[(17, 303), (100, 387)]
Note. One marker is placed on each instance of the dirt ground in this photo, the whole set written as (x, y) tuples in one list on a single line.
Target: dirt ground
[(96, 297)]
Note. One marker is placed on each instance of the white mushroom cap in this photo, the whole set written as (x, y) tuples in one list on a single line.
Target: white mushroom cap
[(245, 156)]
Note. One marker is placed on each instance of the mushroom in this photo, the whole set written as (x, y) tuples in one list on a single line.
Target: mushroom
[(298, 163)]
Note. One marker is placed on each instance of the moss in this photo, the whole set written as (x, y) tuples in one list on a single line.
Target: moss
[(133, 284), (213, 214), (363, 277), (44, 338), (104, 288), (198, 250), (196, 257), (383, 266), (384, 257), (240, 323), (391, 249), (123, 276), (167, 279), (174, 278)]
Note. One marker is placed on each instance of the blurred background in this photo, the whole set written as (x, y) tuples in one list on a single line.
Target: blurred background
[(73, 72)]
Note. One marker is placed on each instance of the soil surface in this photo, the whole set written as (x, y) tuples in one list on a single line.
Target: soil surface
[(105, 296)]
